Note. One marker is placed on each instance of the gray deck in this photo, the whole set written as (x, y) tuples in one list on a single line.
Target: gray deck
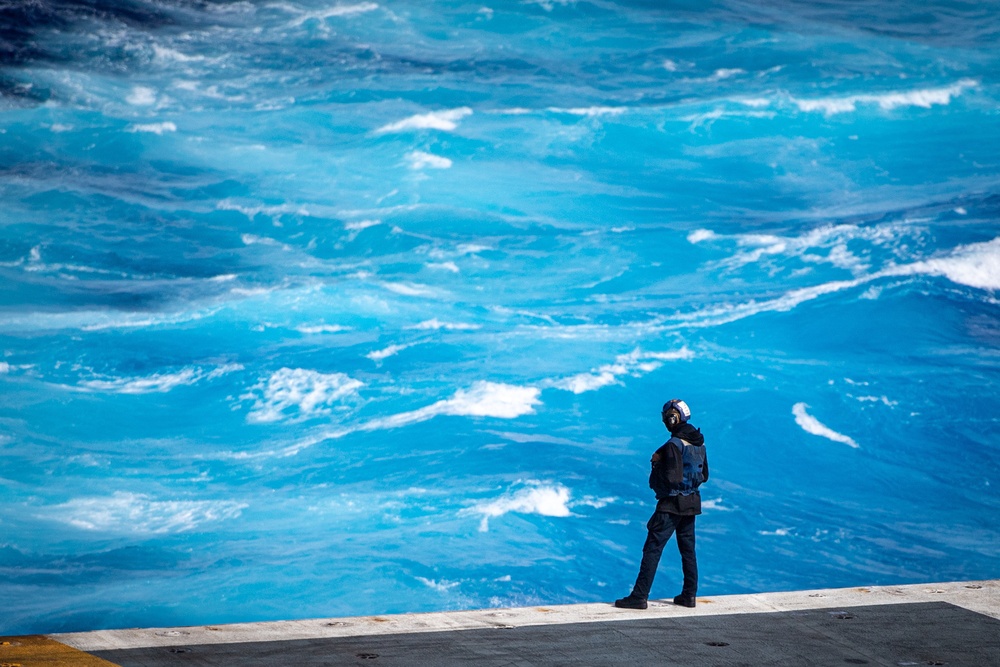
[(936, 624), (931, 633)]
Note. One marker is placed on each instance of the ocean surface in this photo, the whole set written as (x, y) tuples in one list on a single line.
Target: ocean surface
[(314, 308)]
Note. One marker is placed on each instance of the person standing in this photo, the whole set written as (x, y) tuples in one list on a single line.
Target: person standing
[(679, 467)]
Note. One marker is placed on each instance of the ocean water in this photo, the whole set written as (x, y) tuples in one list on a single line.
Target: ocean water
[(321, 307)]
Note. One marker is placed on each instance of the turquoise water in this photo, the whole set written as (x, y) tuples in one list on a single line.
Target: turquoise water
[(332, 308)]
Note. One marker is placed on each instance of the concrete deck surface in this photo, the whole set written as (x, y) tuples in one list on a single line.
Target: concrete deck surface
[(900, 626)]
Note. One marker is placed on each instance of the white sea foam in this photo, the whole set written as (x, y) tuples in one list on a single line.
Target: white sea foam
[(877, 399), (321, 329), (591, 112), (409, 289), (635, 363), (125, 512), (423, 160), (975, 265), (435, 324), (358, 225), (153, 128), (827, 244), (699, 235), (534, 497), (442, 586), (533, 437), (444, 266), (158, 382), (97, 320), (810, 424), (168, 55), (141, 96), (924, 98), (727, 73), (593, 501), (385, 353), (252, 210), (435, 120), (329, 12), (299, 393), (253, 239), (482, 399), (715, 504), (549, 5)]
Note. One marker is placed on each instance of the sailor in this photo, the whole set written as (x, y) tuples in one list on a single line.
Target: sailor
[(678, 468)]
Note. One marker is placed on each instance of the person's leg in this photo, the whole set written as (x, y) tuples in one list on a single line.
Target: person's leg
[(660, 529), (684, 526)]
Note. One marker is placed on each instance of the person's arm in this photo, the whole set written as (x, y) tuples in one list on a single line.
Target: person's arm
[(656, 474), (706, 465)]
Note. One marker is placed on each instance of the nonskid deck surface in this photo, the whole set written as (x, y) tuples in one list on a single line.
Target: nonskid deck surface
[(930, 624)]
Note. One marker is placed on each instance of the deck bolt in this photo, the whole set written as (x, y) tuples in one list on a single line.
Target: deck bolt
[(367, 656), (716, 643)]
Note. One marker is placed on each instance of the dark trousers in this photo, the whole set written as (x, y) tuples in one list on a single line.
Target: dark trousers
[(661, 526)]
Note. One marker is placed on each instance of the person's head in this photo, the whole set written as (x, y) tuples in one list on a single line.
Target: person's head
[(675, 413)]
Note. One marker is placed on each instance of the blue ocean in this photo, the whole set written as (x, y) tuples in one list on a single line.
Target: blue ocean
[(315, 308)]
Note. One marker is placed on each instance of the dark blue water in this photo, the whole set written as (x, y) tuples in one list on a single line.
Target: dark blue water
[(318, 308)]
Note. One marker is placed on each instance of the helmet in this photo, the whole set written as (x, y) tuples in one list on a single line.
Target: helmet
[(675, 412)]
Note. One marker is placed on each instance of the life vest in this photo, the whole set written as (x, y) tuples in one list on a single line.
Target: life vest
[(693, 458)]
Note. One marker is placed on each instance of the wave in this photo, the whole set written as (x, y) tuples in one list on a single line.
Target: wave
[(544, 499), (974, 265), (482, 399), (410, 289), (810, 424), (922, 97), (442, 586), (299, 394), (635, 364), (125, 512), (153, 128), (590, 112), (451, 267), (435, 325), (445, 121), (322, 14), (420, 160), (385, 353), (160, 383), (834, 239), (321, 329)]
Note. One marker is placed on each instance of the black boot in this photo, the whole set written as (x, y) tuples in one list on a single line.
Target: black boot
[(684, 600), (630, 602)]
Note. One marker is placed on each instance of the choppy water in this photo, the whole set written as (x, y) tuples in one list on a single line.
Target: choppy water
[(319, 308)]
